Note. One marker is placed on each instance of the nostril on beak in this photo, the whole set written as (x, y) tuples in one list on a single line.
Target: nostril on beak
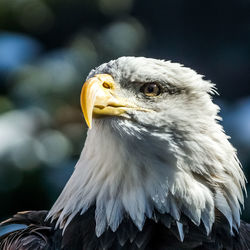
[(106, 85)]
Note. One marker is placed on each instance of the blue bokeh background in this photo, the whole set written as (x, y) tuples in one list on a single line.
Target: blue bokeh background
[(47, 47)]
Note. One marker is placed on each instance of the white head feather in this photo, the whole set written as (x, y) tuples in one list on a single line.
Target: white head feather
[(176, 160)]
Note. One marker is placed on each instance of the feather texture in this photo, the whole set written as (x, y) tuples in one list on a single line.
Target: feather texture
[(177, 160)]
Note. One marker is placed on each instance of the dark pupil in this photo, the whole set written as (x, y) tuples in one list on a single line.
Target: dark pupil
[(150, 88)]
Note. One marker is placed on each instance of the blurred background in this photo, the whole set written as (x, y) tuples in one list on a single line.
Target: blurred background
[(47, 47)]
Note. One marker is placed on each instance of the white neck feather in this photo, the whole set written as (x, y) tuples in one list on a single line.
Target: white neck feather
[(124, 169)]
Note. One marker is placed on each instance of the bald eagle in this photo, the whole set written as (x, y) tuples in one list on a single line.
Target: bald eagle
[(157, 170)]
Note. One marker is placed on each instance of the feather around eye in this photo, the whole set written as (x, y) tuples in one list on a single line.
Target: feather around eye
[(151, 89), (173, 90)]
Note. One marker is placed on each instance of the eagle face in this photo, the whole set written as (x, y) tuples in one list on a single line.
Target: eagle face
[(154, 146), (153, 94)]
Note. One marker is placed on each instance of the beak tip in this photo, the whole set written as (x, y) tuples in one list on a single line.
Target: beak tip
[(89, 123)]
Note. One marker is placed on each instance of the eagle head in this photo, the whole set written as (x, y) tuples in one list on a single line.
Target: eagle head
[(154, 145)]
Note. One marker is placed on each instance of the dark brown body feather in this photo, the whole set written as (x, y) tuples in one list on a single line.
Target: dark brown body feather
[(158, 234)]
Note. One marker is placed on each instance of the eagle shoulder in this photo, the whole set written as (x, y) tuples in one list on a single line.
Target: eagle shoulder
[(35, 235)]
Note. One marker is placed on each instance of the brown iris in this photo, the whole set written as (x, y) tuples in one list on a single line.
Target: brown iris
[(150, 89)]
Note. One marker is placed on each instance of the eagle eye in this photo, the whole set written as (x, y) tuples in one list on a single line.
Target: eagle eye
[(150, 89)]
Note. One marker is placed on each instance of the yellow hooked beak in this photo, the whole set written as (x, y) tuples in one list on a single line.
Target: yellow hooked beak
[(98, 97)]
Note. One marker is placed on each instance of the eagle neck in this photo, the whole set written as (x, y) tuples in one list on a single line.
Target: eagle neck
[(128, 171)]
